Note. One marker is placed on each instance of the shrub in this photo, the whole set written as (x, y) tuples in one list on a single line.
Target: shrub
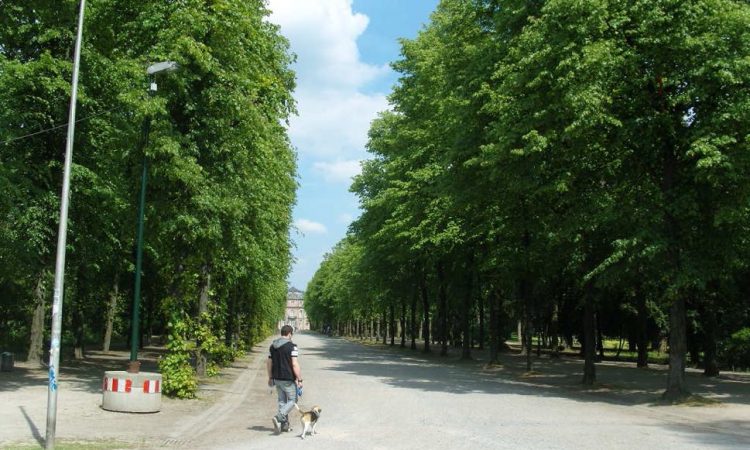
[(215, 350), (735, 352), (178, 375)]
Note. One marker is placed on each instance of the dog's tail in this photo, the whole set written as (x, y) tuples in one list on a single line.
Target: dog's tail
[(297, 406)]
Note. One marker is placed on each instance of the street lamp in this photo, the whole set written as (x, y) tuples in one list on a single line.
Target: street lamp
[(134, 365)]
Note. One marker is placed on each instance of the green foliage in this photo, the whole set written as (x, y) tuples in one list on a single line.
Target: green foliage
[(217, 352), (735, 351), (551, 154), (178, 375), (213, 369), (221, 170)]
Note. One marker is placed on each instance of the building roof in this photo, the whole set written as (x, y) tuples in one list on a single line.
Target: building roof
[(294, 294)]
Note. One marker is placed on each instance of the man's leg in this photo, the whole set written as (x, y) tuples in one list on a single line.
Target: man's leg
[(279, 418), (281, 398), (290, 395)]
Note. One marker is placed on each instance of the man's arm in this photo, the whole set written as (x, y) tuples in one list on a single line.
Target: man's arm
[(269, 369), (297, 371)]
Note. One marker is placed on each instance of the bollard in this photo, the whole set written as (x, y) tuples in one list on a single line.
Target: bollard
[(6, 362)]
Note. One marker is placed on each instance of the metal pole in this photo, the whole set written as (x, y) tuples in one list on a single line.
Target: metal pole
[(54, 349), (134, 365), (135, 326)]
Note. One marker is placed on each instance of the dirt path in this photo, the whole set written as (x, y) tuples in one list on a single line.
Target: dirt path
[(391, 398), (375, 397), (23, 404)]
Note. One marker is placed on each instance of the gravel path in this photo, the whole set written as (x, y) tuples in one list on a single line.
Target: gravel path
[(382, 398), (373, 398)]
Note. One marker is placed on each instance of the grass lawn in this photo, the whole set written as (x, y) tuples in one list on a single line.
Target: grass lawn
[(73, 445)]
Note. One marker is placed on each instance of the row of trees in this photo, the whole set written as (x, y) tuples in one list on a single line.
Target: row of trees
[(581, 167), (221, 172)]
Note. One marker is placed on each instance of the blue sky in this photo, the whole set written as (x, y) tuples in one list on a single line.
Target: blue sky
[(343, 50)]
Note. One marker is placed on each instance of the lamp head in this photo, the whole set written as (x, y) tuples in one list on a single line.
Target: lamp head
[(164, 66)]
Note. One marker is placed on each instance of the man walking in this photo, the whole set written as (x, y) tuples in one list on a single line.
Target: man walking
[(284, 373)]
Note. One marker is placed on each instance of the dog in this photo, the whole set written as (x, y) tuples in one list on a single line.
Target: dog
[(309, 419)]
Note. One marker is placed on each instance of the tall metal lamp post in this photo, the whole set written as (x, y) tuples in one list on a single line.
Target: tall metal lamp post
[(57, 300), (134, 364)]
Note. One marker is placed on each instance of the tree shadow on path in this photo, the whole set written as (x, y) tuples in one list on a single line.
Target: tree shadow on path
[(618, 383), (79, 375)]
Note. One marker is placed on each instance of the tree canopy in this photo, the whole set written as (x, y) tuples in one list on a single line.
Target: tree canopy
[(577, 167), (221, 172)]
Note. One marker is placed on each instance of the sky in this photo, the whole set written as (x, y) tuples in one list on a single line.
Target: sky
[(343, 48)]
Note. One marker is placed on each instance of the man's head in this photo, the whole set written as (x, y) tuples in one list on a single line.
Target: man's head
[(286, 330)]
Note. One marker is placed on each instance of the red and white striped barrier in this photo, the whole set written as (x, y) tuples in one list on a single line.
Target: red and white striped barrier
[(124, 391), (126, 385), (117, 384), (152, 387)]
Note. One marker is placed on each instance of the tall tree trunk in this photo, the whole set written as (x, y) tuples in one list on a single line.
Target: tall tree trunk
[(526, 295), (114, 295), (403, 323), (78, 329), (599, 337), (36, 340), (77, 300), (694, 345), (540, 338), (466, 313), (481, 313), (554, 330), (230, 322), (205, 287), (642, 330), (494, 325), (528, 337), (149, 312), (392, 325), (413, 321), (589, 337), (711, 368), (426, 313), (527, 332), (676, 388), (443, 309)]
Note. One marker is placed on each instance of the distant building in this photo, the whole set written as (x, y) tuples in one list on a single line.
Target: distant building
[(295, 310)]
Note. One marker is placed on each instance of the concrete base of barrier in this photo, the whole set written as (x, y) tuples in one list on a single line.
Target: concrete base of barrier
[(131, 392)]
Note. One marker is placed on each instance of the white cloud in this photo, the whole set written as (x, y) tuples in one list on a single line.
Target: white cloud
[(334, 113), (338, 95), (334, 123), (308, 226), (324, 36), (339, 171)]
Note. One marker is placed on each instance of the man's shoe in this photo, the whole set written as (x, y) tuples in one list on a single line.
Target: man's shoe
[(276, 424), (285, 426)]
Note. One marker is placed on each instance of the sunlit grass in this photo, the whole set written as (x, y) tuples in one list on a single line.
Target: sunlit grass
[(71, 445)]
